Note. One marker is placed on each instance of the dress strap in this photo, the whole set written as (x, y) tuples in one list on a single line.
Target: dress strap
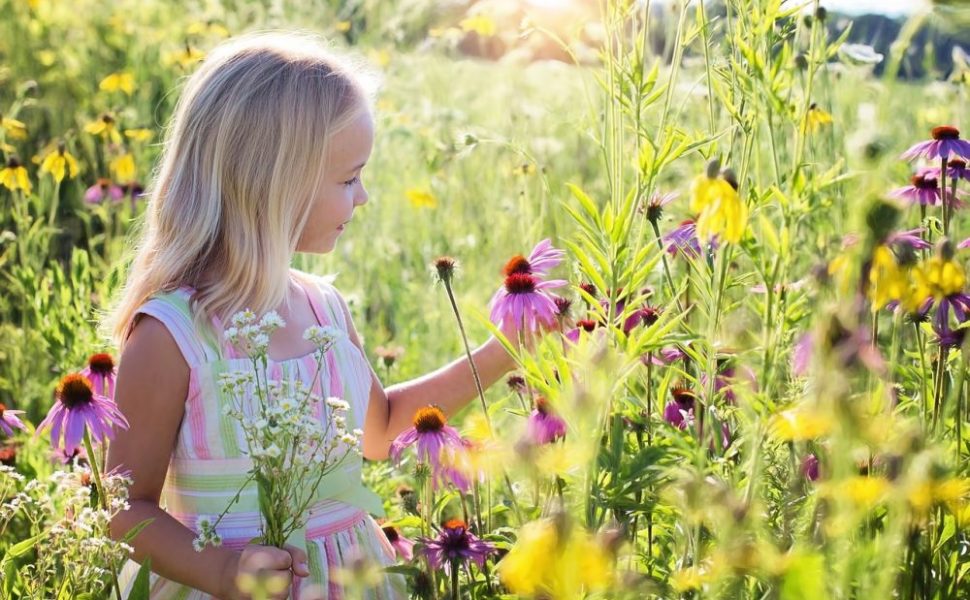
[(320, 295), (173, 310)]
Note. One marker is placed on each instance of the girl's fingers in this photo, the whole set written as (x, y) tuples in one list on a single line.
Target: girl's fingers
[(299, 561)]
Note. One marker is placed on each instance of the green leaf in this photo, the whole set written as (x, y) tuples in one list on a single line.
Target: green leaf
[(136, 530), (140, 588), (23, 546)]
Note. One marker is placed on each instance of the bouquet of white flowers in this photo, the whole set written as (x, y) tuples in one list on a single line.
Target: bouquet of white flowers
[(291, 450)]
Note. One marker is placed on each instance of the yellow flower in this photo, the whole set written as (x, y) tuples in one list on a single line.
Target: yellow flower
[(800, 424), (524, 169), (14, 176), (46, 57), (951, 492), (123, 167), (421, 198), (542, 563), (722, 212), (185, 57), (106, 127), (207, 28), (937, 277), (58, 163), (865, 492), (381, 57), (343, 26), (815, 119), (118, 81), (685, 580), (561, 459), (481, 24), (15, 129), (139, 135), (887, 281)]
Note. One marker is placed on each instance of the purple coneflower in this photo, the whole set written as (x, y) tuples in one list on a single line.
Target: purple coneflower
[(683, 240), (523, 301), (104, 187), (956, 169), (586, 325), (946, 143), (959, 305), (66, 457), (910, 237), (432, 437), (456, 544), (10, 421), (77, 407), (544, 425), (101, 372), (403, 546), (810, 467), (544, 257), (654, 208), (664, 357), (923, 190), (679, 412)]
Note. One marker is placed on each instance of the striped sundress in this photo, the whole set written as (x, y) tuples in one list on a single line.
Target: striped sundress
[(209, 463)]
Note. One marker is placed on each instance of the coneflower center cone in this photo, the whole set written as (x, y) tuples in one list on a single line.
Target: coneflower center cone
[(945, 132), (520, 283), (75, 390), (429, 419), (101, 363), (517, 264), (924, 183)]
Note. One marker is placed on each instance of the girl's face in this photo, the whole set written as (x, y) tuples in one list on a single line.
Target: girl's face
[(343, 190)]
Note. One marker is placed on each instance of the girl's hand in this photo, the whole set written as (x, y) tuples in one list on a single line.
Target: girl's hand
[(256, 563)]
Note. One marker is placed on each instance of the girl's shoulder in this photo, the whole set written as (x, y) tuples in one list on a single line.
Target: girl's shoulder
[(172, 308)]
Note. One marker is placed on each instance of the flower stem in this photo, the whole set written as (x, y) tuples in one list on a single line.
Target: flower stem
[(468, 352), (102, 498), (454, 580)]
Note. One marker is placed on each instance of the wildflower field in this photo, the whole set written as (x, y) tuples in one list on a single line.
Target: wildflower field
[(735, 244)]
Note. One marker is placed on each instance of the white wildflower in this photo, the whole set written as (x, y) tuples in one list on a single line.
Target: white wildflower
[(271, 321)]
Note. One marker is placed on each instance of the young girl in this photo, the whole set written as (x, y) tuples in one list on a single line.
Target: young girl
[(262, 159)]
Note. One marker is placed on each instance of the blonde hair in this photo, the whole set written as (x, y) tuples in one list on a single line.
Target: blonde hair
[(241, 164)]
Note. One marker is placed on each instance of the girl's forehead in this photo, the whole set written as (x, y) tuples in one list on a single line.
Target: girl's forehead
[(353, 143)]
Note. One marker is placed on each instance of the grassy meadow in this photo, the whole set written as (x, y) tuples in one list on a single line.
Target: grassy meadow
[(771, 406)]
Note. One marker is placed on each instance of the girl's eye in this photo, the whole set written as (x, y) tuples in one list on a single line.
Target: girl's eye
[(352, 181)]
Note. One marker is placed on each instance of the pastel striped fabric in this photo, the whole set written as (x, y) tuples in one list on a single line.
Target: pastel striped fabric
[(209, 464)]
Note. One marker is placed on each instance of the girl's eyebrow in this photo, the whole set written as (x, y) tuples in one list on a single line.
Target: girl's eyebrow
[(358, 167)]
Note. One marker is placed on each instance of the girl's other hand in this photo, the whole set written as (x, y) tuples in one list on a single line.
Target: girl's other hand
[(257, 562)]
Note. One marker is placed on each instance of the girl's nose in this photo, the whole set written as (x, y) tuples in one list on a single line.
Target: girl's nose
[(361, 197)]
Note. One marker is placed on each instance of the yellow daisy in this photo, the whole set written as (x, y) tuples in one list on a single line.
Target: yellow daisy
[(15, 129), (58, 163), (421, 198), (124, 82), (721, 211), (106, 127), (815, 119), (139, 135), (123, 167), (14, 176)]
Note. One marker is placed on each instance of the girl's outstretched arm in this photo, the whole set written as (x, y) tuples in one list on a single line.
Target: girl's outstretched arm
[(451, 387)]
